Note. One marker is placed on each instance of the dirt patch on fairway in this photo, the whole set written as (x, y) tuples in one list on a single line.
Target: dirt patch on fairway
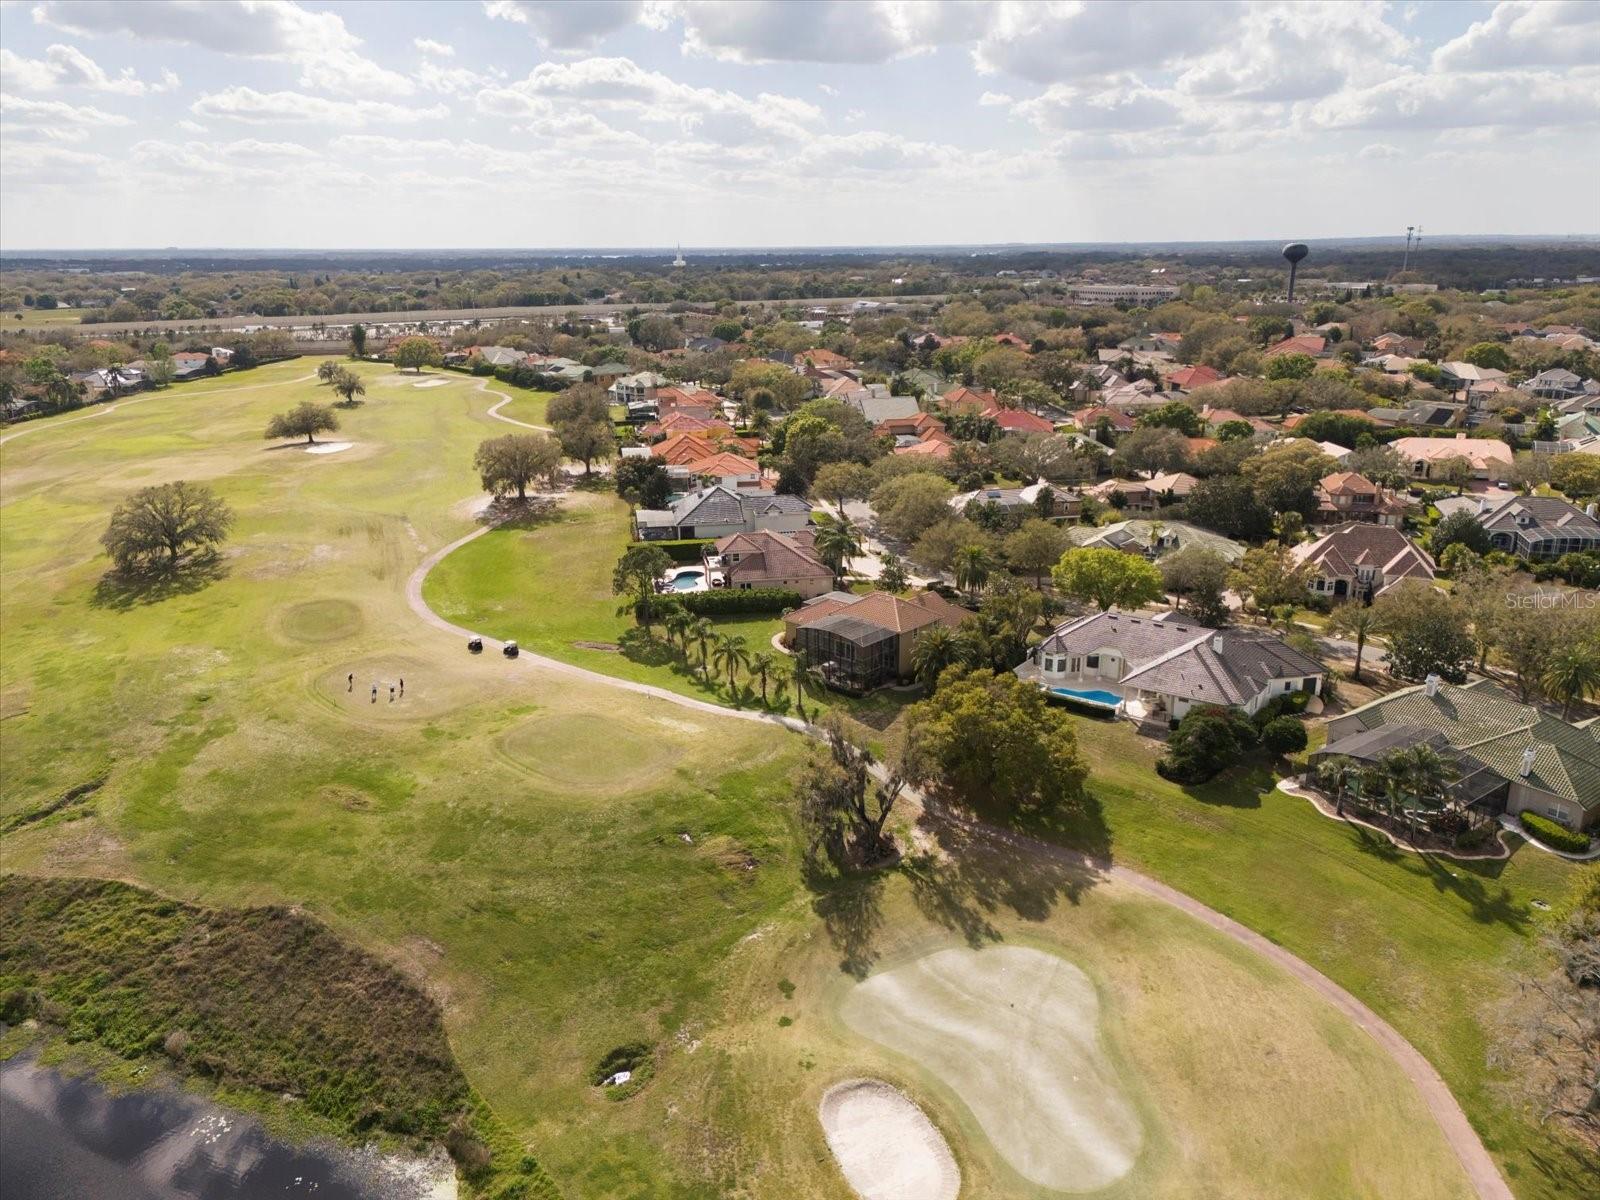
[(329, 620), (885, 1145), (1016, 1034), (589, 752)]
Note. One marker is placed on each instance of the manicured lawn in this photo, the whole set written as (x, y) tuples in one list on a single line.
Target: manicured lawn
[(1429, 943), (526, 405)]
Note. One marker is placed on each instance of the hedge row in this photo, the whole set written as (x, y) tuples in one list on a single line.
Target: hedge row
[(1557, 836), (681, 550), (724, 602)]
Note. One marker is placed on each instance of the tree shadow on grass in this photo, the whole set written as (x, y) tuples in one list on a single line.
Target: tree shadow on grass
[(1574, 1168), (124, 589), (507, 512), (977, 872), (1473, 881), (642, 647), (850, 905)]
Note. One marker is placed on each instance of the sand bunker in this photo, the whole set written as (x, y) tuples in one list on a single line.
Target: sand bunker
[(885, 1145), (431, 383), (329, 447), (1015, 1034)]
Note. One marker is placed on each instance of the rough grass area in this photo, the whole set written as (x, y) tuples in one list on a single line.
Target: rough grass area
[(264, 997)]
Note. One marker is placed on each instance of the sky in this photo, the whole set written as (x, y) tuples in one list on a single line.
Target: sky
[(521, 123)]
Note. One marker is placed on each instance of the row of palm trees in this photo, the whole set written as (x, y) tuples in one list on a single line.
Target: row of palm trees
[(728, 654), (1410, 776)]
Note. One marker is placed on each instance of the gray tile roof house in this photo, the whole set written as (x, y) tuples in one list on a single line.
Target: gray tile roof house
[(1533, 527), (877, 408), (1154, 538), (714, 512), (1169, 664), (1360, 561), (1551, 765)]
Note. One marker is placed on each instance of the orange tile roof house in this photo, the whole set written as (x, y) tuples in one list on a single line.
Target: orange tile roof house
[(723, 467), (767, 559), (935, 443), (969, 400), (914, 426), (1015, 420), (1358, 561), (859, 643), (1302, 343), (1348, 496), (1490, 458), (824, 359), (1190, 378)]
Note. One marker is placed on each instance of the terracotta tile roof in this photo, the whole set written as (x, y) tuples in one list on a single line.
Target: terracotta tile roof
[(912, 426), (1014, 420), (965, 399), (764, 556), (885, 610), (1340, 552), (1189, 378), (723, 464), (1088, 418), (1480, 452), (1302, 343), (822, 358)]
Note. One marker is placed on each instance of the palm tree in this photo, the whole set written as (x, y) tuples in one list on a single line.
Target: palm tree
[(1574, 674), (936, 647), (730, 655), (1419, 773), (972, 569), (1336, 774), (1363, 622), (763, 663), (701, 633), (802, 678), (837, 543), (678, 622)]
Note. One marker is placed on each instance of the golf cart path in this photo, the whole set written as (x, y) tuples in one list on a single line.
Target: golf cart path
[(106, 409), (505, 399), (1463, 1141)]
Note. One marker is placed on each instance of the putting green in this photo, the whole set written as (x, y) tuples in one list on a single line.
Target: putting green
[(320, 621), (591, 752), (1015, 1033)]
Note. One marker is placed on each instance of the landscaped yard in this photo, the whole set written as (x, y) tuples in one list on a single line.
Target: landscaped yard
[(571, 868)]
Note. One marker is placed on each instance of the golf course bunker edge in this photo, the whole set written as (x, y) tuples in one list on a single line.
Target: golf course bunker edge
[(885, 1145), (1015, 1033)]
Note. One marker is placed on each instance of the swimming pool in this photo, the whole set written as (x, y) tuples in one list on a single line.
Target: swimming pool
[(1105, 699), (688, 581)]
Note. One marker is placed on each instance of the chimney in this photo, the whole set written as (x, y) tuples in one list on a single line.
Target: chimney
[(1483, 505), (1216, 643), (1432, 683), (1589, 510), (1527, 762)]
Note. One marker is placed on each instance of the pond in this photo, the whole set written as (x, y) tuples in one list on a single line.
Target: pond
[(65, 1137)]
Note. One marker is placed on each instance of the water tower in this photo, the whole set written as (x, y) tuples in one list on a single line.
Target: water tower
[(1294, 252)]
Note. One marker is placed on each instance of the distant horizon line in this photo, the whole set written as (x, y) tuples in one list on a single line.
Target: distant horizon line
[(819, 248)]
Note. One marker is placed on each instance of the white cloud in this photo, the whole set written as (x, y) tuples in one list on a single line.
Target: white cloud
[(563, 25), (1061, 42), (437, 49), (454, 81), (1520, 33), (46, 166), (1118, 104), (22, 112), (189, 126), (995, 100), (621, 85), (1380, 152), (278, 30), (852, 31), (827, 89), (67, 66), (1513, 99), (263, 108)]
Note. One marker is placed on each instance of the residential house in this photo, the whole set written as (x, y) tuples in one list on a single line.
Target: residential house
[(1395, 343), (879, 406), (768, 559), (1089, 420), (859, 643), (912, 427), (1216, 418), (1360, 561), (1490, 458), (1190, 379), (823, 359), (717, 511), (1312, 344), (704, 345), (636, 388), (923, 382), (1554, 384), (1538, 528), (1015, 420), (1545, 765), (971, 401), (1158, 668), (1153, 539), (1146, 495), (1031, 500), (1346, 496), (498, 356), (935, 443), (732, 470), (1424, 414)]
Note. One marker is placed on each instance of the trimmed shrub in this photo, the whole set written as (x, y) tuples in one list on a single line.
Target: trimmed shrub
[(1207, 741), (1557, 836), (727, 602), (1284, 735), (681, 550)]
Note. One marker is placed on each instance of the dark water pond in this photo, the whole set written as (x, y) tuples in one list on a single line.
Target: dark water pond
[(65, 1137)]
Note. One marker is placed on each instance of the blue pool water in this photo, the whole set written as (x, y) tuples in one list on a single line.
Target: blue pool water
[(1109, 699), (687, 581)]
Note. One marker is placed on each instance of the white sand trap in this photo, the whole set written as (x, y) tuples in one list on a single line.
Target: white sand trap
[(885, 1145), (329, 447), (431, 383), (1015, 1033)]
